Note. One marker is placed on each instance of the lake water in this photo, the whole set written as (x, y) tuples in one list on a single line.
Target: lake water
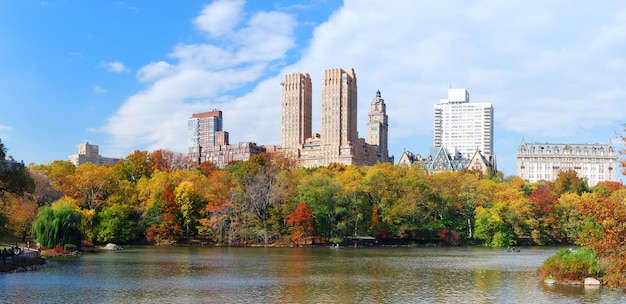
[(153, 274)]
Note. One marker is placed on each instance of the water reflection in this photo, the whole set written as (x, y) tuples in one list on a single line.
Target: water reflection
[(297, 275)]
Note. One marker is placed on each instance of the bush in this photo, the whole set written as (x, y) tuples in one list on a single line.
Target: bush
[(70, 247), (571, 265)]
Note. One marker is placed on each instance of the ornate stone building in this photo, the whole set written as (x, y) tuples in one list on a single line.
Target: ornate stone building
[(338, 141), (543, 161)]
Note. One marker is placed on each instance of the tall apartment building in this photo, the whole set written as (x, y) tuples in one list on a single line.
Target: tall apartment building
[(208, 141), (378, 128), (296, 111), (543, 161), (463, 127), (339, 116), (88, 153), (338, 141)]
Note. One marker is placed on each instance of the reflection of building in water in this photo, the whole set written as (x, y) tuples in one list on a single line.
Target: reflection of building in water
[(88, 153), (544, 161)]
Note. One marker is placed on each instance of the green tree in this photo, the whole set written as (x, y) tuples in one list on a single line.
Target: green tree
[(58, 224), (491, 227), (321, 192), (118, 223)]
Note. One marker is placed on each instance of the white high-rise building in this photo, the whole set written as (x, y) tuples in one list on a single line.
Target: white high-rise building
[(463, 127)]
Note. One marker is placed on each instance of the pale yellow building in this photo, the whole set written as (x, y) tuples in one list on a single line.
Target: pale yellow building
[(338, 141)]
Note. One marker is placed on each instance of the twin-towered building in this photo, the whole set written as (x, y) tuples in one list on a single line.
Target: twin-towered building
[(338, 141)]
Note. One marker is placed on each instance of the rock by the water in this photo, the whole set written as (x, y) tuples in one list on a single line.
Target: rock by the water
[(111, 247), (591, 281), (549, 281)]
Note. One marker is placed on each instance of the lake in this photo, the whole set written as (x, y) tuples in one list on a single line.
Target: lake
[(171, 274)]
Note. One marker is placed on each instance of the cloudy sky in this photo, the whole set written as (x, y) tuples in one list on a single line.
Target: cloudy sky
[(128, 75)]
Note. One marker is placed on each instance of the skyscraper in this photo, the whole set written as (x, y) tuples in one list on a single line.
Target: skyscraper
[(377, 127), (339, 116), (463, 127), (296, 111), (338, 141)]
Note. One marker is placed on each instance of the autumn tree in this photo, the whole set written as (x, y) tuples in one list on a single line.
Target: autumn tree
[(603, 232), (91, 185), (59, 172), (45, 192), (133, 167), (216, 216), (188, 201), (168, 161), (257, 178), (302, 221), (569, 182), (545, 226), (166, 228)]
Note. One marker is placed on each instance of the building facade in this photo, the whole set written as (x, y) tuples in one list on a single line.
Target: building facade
[(207, 141), (296, 115), (543, 161), (378, 128), (338, 141), (88, 153), (463, 127), (440, 159)]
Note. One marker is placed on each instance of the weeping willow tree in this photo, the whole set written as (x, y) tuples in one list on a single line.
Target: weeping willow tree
[(58, 225)]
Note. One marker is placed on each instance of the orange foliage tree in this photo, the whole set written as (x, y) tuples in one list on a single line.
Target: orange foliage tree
[(604, 232), (302, 219)]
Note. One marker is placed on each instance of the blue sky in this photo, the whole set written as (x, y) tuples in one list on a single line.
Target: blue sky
[(127, 75)]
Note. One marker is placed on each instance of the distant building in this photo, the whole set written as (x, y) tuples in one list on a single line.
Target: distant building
[(338, 141), (10, 163), (88, 153), (378, 128), (463, 136), (207, 141), (296, 112), (463, 126), (440, 159), (543, 161)]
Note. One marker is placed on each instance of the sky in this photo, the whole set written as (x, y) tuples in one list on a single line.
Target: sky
[(127, 75)]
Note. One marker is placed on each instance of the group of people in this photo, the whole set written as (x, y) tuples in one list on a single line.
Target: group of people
[(6, 252)]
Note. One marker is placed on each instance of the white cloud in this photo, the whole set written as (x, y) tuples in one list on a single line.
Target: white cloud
[(115, 67), (220, 17), (550, 70), (99, 90), (154, 71), (201, 76)]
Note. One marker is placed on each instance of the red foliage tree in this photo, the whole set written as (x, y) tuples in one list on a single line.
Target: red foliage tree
[(604, 233), (302, 219)]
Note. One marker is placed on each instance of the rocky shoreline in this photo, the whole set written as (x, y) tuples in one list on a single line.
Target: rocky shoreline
[(31, 264)]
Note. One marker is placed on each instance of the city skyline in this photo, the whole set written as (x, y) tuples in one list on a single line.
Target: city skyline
[(553, 72)]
